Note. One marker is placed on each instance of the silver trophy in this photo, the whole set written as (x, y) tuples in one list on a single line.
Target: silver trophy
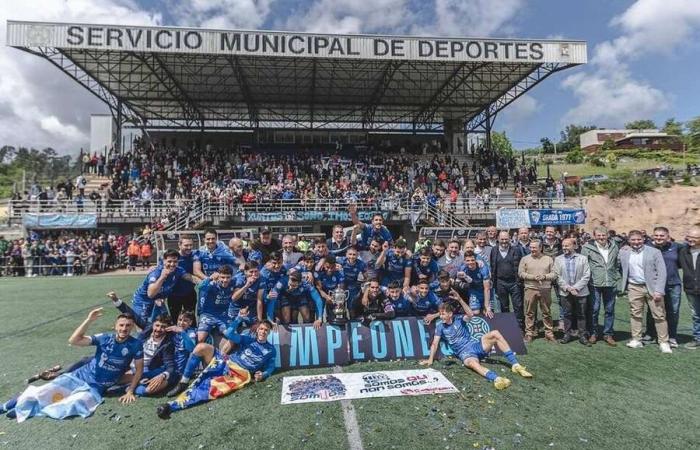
[(339, 313)]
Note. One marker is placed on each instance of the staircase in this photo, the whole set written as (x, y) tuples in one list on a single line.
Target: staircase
[(442, 217)]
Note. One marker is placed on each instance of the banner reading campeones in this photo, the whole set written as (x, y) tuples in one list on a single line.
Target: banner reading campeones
[(347, 386), (300, 346)]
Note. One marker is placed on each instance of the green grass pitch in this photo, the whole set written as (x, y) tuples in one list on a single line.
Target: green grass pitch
[(597, 397)]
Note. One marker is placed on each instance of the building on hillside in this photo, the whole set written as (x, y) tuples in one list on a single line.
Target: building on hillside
[(593, 140)]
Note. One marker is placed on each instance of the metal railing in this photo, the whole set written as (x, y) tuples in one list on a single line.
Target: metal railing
[(102, 208), (189, 212)]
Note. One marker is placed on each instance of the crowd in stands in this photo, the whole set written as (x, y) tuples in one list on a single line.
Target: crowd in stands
[(152, 173), (63, 253)]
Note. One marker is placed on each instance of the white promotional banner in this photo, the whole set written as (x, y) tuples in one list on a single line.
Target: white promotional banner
[(346, 386)]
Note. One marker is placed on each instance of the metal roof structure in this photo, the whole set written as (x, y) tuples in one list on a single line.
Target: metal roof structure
[(156, 77)]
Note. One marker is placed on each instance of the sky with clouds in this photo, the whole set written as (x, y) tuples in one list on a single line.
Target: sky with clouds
[(643, 55)]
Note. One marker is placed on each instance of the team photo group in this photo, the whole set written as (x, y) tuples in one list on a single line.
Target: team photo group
[(197, 327)]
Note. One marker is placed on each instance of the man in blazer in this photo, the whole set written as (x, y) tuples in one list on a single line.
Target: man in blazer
[(573, 275), (504, 261), (689, 260), (644, 279)]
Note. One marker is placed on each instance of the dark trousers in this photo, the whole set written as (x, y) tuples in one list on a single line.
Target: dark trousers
[(578, 306), (180, 303), (511, 292)]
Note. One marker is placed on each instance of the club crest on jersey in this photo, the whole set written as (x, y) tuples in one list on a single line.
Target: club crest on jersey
[(478, 327), (125, 351)]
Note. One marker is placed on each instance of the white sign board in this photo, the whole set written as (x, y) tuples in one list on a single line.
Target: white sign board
[(345, 386), (271, 43)]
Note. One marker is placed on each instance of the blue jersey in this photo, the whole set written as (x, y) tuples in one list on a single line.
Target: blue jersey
[(303, 270), (331, 281), (394, 267), (455, 334), (112, 359), (478, 276), (402, 305), (426, 305), (252, 355), (212, 260), (182, 286), (352, 272), (214, 300), (369, 233), (268, 279), (143, 304), (295, 298), (249, 298), (184, 342), (430, 271)]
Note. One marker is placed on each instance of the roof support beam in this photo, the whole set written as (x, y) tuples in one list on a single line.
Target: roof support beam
[(379, 92), (455, 81), (235, 64), (165, 77), (479, 120)]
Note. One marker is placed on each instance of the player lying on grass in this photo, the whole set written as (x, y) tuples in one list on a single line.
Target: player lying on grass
[(79, 392), (469, 350), (223, 374)]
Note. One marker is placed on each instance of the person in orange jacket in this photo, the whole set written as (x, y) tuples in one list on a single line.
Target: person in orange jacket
[(146, 252), (133, 252)]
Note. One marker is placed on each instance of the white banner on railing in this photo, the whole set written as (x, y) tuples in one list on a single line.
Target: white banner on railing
[(345, 386)]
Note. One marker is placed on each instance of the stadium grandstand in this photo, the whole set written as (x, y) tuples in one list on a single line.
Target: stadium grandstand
[(244, 129)]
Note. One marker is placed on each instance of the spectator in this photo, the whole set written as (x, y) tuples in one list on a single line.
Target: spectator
[(689, 258), (573, 274), (644, 280)]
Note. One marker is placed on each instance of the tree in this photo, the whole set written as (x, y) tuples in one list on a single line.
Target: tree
[(644, 124), (547, 146), (673, 127), (570, 136), (501, 144), (693, 127)]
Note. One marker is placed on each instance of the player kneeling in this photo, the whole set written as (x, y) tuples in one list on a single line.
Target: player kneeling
[(470, 350), (223, 374)]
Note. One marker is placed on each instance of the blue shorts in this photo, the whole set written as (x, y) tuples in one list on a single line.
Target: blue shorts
[(472, 350), (207, 323), (292, 302), (476, 302)]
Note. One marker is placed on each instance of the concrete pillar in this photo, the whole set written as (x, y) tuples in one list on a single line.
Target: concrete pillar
[(454, 135)]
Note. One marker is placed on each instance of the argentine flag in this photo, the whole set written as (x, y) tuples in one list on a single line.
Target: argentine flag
[(63, 397)]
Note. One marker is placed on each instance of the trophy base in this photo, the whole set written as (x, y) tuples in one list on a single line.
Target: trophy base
[(338, 321)]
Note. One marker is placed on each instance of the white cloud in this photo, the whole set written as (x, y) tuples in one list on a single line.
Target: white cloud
[(475, 18), (521, 110), (226, 14), (650, 27), (352, 16), (41, 106), (608, 94), (610, 100)]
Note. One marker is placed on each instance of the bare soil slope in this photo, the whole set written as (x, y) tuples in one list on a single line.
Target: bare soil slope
[(677, 208)]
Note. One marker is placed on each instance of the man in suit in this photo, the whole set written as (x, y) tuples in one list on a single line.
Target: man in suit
[(573, 273), (505, 259), (644, 279), (689, 260)]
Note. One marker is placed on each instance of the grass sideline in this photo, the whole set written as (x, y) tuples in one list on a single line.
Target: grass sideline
[(597, 397)]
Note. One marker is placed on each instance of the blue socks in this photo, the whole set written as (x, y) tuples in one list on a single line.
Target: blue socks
[(191, 367), (8, 405), (510, 356), (491, 376), (140, 390)]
